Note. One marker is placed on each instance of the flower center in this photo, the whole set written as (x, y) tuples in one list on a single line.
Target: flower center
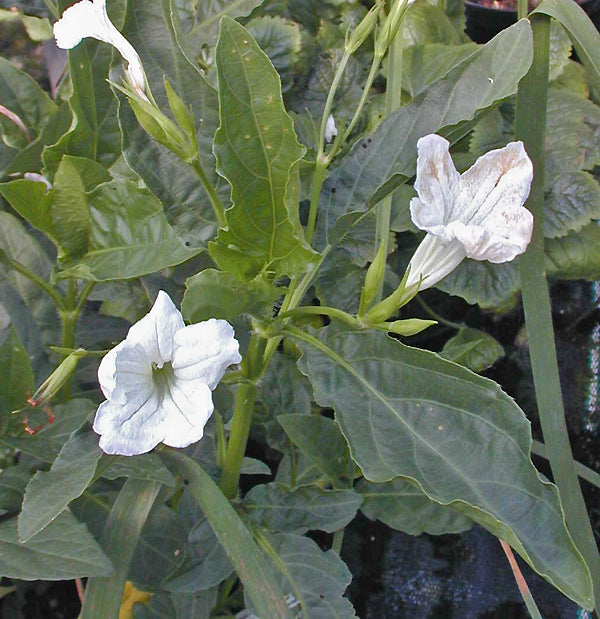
[(163, 377)]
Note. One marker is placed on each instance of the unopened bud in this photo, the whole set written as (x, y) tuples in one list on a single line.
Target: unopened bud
[(390, 305), (364, 29), (373, 279), (57, 380), (410, 326), (390, 27)]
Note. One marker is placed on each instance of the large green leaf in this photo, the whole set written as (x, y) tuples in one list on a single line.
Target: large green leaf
[(312, 578), (129, 236), (403, 506), (153, 31), (476, 350), (203, 26), (62, 551), (407, 412), (16, 384), (576, 255), (216, 294), (33, 201), (489, 74), (276, 507), (256, 149), (49, 493)]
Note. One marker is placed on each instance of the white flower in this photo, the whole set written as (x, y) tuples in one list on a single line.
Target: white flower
[(478, 214), (330, 128), (89, 18), (158, 381)]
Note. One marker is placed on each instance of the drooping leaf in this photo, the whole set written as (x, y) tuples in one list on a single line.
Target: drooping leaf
[(217, 294), (456, 98), (33, 201), (407, 412), (256, 149), (321, 441), (49, 493), (126, 242), (277, 508), (402, 506), (472, 348), (62, 551), (16, 384)]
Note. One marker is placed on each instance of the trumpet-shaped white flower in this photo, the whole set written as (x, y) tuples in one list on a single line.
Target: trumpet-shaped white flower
[(158, 382), (89, 18), (478, 214)]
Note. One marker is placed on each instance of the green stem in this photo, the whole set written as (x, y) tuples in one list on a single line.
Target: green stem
[(119, 540), (215, 201), (521, 583), (530, 123), (393, 95), (539, 449), (365, 93), (238, 438), (31, 276), (338, 540), (320, 310), (522, 9), (315, 191)]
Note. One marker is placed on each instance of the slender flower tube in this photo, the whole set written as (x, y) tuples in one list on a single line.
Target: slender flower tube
[(478, 214), (158, 382), (89, 18)]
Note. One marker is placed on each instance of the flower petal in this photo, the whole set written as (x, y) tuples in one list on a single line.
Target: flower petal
[(188, 405), (133, 433), (437, 184), (433, 260), (155, 332), (204, 351), (107, 370), (498, 181)]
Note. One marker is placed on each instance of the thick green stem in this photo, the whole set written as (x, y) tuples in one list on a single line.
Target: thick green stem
[(522, 9), (215, 201), (119, 540), (393, 96), (238, 438), (530, 123)]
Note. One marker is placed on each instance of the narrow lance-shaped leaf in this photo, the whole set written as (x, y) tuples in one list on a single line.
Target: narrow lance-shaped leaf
[(406, 412), (256, 149)]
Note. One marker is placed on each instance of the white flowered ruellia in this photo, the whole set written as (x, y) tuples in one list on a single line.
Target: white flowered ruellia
[(89, 18), (158, 382), (478, 214)]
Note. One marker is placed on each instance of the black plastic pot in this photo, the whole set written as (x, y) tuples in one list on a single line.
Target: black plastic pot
[(484, 23)]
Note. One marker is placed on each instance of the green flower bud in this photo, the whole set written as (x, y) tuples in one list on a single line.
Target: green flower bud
[(390, 27), (373, 279), (57, 380), (180, 112), (390, 305), (410, 326), (364, 29)]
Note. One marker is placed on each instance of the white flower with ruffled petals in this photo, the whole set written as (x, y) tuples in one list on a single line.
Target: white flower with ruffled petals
[(158, 382), (89, 18), (478, 214)]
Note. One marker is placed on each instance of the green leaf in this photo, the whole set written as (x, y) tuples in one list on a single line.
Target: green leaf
[(340, 281), (22, 247), (13, 481), (582, 31), (402, 506), (17, 377), (49, 493), (126, 242), (276, 507), (152, 30), (216, 294), (21, 95), (473, 349), (94, 132), (252, 466), (203, 27), (145, 466), (282, 390), (575, 256), (424, 64), (321, 441), (456, 98), (62, 551), (315, 578), (426, 23), (254, 571), (33, 201), (407, 412), (572, 201), (256, 149)]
